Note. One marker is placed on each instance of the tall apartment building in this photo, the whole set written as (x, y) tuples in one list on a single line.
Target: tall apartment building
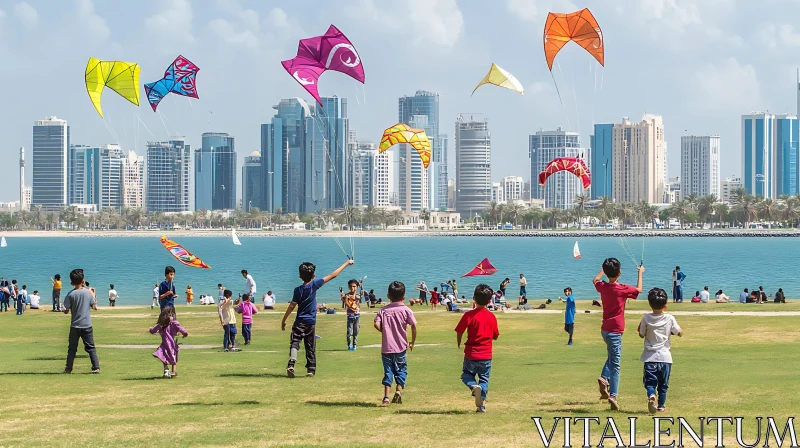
[(251, 182), (700, 165), (426, 104), (49, 163), (133, 181), (770, 154), (638, 160), (215, 173), (512, 187), (563, 187), (168, 176), (473, 165)]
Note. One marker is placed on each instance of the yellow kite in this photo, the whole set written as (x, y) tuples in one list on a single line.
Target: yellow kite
[(121, 77), (501, 78), (402, 133)]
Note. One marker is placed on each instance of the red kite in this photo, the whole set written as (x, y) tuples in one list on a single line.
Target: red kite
[(574, 165), (483, 268)]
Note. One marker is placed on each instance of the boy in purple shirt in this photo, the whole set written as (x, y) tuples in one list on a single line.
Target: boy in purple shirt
[(392, 321), (246, 309)]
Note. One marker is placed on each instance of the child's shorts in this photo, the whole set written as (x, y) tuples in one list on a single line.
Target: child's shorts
[(395, 368)]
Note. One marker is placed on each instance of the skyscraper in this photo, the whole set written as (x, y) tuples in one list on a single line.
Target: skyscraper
[(251, 182), (385, 179), (215, 173), (413, 178), (23, 201), (328, 140), (512, 187), (638, 160), (473, 165), (109, 182), (283, 156), (700, 165), (50, 143), (363, 175), (84, 173), (426, 104), (133, 181), (787, 159), (563, 187), (770, 154), (601, 160), (168, 171)]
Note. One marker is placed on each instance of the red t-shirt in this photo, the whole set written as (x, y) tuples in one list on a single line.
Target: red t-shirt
[(481, 327), (613, 296), (434, 296)]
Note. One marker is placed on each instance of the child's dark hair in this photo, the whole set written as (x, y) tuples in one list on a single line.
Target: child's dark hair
[(164, 318), (76, 276), (352, 282), (483, 294), (697, 293), (657, 298), (611, 267), (24, 286), (246, 297), (307, 271), (112, 286), (436, 289), (396, 292), (244, 271), (227, 293), (168, 270), (567, 289), (58, 276)]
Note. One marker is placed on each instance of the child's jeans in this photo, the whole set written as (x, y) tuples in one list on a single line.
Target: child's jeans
[(353, 325), (230, 334), (246, 332), (611, 368), (656, 379), (481, 369), (394, 369)]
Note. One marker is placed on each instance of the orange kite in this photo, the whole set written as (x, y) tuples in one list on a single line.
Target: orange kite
[(580, 26), (403, 133)]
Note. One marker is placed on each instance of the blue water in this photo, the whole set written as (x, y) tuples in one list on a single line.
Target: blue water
[(134, 265)]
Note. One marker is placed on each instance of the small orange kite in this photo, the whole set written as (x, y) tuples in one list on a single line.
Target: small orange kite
[(403, 133), (581, 27)]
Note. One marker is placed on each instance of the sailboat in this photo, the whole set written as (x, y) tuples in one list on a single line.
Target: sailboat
[(235, 238), (576, 252), (3, 242)]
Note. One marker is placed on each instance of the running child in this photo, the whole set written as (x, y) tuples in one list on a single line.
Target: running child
[(246, 309), (434, 298), (167, 352), (656, 329), (614, 296), (305, 300), (481, 327), (79, 302), (227, 318), (569, 312), (351, 304), (393, 321)]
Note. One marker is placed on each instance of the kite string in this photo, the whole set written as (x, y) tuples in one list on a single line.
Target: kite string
[(161, 116), (566, 115), (145, 126)]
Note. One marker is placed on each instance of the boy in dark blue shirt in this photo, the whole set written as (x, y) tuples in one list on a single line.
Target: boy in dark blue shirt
[(569, 313), (166, 290), (305, 300)]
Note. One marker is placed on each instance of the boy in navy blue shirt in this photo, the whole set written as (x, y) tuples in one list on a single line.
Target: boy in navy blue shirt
[(305, 300), (569, 313), (166, 290)]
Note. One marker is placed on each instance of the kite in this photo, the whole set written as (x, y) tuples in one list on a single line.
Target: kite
[(179, 78), (483, 268), (580, 27), (121, 77), (501, 78), (403, 133), (317, 54), (572, 164), (185, 257)]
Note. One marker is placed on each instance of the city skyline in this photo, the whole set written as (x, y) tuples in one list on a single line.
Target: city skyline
[(728, 70)]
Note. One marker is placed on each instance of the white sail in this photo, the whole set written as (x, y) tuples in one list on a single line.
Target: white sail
[(575, 251), (235, 238), (3, 242)]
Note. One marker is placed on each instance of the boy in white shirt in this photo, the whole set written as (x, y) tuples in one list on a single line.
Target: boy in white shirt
[(35, 300), (269, 301), (112, 296), (656, 329), (155, 297)]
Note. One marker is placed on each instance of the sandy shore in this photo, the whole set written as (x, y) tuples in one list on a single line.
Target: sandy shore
[(403, 234)]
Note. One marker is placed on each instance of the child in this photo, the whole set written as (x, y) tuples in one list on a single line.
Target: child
[(696, 298), (269, 301), (246, 309), (351, 301), (523, 289), (393, 321), (434, 298), (166, 290), (481, 327), (655, 329), (305, 299), (56, 292), (189, 295), (35, 300), (112, 296), (167, 352), (80, 302), (614, 296), (569, 313), (155, 297), (455, 287), (227, 318)]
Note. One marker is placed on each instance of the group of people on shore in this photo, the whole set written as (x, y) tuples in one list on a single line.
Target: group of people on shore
[(704, 296)]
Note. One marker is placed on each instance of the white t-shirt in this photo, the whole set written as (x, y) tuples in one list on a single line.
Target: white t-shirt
[(704, 296), (155, 292), (657, 329), (250, 284), (112, 294), (221, 295), (269, 300), (34, 301), (523, 282)]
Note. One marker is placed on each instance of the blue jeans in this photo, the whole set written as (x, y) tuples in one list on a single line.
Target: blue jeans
[(394, 369), (4, 304), (678, 293), (480, 369), (353, 325), (247, 332), (230, 335), (656, 379), (523, 291), (611, 368)]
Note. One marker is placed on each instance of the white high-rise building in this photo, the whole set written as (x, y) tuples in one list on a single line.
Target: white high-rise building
[(413, 183), (109, 191), (385, 179), (563, 187), (497, 192), (512, 188), (363, 175), (168, 176), (133, 181), (50, 142), (473, 165), (728, 186), (638, 160), (700, 165), (23, 201)]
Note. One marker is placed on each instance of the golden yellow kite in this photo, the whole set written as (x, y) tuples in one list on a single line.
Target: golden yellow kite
[(501, 78), (402, 133), (121, 77)]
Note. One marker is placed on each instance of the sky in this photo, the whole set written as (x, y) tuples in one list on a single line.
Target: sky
[(700, 64)]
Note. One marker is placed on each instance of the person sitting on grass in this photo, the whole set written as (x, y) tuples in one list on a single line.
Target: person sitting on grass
[(779, 296), (35, 299), (167, 352), (721, 297), (392, 322), (656, 328), (696, 298), (481, 328)]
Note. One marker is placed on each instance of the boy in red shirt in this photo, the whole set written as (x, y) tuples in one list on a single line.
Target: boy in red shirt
[(614, 296), (481, 327)]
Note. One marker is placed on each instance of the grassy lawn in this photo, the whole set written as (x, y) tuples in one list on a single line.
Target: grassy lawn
[(724, 366)]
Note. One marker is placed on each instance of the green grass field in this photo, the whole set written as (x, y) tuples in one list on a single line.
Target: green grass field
[(724, 366)]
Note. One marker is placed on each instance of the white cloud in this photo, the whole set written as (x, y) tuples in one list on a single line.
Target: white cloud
[(26, 14), (2, 14), (246, 27), (92, 22), (173, 23), (724, 87), (670, 13), (773, 36), (430, 22), (536, 10)]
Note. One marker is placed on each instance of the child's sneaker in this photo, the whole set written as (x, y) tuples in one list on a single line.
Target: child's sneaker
[(354, 348), (569, 343), (476, 392), (398, 398), (651, 404), (614, 404), (349, 349), (662, 409), (603, 388), (290, 371), (480, 410), (385, 401), (167, 374), (310, 374)]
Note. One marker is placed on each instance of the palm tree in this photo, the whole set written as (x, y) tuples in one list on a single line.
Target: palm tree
[(678, 210), (491, 212), (722, 211), (370, 212), (396, 216), (425, 216), (580, 208), (384, 215), (769, 210), (607, 208), (625, 211), (705, 207), (791, 210), (737, 195), (515, 211), (553, 214), (746, 208), (52, 221), (39, 216)]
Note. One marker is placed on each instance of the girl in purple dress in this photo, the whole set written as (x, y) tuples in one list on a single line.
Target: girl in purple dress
[(167, 352)]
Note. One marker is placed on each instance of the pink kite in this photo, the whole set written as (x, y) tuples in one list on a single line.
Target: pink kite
[(483, 268), (317, 54)]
